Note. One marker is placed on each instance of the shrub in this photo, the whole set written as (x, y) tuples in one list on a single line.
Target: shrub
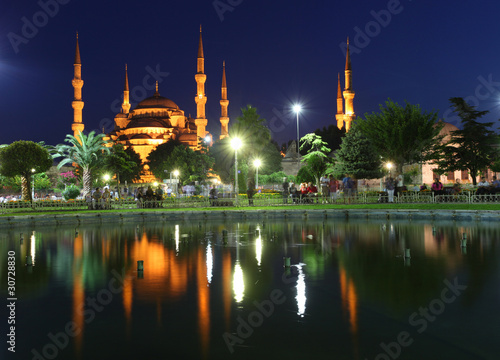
[(71, 192)]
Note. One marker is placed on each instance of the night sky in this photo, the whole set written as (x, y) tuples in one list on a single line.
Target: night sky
[(276, 52)]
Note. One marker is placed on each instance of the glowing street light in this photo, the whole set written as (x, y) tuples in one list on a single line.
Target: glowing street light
[(389, 167), (176, 174), (256, 163), (297, 108), (236, 144)]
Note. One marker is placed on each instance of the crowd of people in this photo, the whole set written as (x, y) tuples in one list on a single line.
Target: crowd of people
[(330, 189)]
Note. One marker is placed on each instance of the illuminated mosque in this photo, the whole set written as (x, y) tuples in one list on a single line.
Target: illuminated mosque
[(156, 119)]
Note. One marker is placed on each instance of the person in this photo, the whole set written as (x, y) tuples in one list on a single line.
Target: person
[(106, 196), (333, 185), (293, 193), (457, 187), (250, 190), (347, 185), (169, 191), (97, 196), (423, 187), (303, 192), (312, 192), (325, 189), (285, 186), (482, 187), (212, 195), (495, 185), (389, 187), (437, 187), (158, 195)]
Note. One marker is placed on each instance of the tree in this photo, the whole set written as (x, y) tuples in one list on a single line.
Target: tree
[(84, 151), (357, 157), (332, 135), (24, 158), (256, 139), (472, 148), (316, 159), (403, 135), (173, 155), (123, 164)]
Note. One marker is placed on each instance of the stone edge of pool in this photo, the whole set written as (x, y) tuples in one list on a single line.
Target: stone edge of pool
[(99, 218)]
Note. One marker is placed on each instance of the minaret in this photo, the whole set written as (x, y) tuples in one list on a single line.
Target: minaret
[(340, 106), (126, 98), (224, 102), (348, 93), (77, 103), (200, 99)]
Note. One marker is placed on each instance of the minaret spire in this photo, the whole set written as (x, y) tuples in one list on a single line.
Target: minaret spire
[(126, 96), (340, 106), (224, 102), (348, 93), (77, 83), (200, 99)]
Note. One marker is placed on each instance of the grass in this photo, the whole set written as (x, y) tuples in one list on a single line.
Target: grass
[(425, 206)]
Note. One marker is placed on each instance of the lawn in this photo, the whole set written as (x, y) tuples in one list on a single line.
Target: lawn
[(424, 206)]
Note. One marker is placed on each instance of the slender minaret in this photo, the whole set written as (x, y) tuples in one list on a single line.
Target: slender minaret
[(126, 98), (224, 102), (340, 106), (77, 103), (200, 99), (348, 93)]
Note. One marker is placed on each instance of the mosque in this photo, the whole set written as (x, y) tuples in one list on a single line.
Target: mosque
[(156, 119)]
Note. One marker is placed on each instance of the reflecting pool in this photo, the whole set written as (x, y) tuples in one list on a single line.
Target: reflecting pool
[(221, 290)]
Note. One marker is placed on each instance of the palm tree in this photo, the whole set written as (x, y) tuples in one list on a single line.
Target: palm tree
[(83, 151)]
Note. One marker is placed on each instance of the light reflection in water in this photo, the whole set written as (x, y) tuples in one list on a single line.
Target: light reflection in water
[(301, 291), (177, 236), (32, 248), (258, 248), (210, 262), (238, 283)]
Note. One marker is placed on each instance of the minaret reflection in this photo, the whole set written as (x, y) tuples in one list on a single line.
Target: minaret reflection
[(78, 293), (349, 302), (203, 302), (226, 286)]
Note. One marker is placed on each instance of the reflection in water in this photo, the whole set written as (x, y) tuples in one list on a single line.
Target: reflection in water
[(33, 247), (177, 237), (238, 283), (258, 248), (191, 287), (301, 291), (203, 303), (210, 262)]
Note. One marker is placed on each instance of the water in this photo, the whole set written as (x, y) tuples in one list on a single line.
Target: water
[(349, 293)]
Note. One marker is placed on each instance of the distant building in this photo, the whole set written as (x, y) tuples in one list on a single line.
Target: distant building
[(157, 119)]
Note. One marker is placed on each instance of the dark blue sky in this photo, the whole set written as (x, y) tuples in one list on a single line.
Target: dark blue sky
[(277, 52)]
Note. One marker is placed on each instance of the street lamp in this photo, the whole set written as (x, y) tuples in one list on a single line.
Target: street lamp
[(33, 185), (297, 108), (106, 179), (389, 167), (176, 174), (236, 144), (256, 163)]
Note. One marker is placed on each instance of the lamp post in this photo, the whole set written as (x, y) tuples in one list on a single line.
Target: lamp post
[(297, 109), (176, 174), (236, 144), (106, 179), (256, 163), (389, 167), (33, 185)]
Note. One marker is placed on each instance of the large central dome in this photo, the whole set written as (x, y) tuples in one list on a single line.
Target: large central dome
[(157, 102)]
